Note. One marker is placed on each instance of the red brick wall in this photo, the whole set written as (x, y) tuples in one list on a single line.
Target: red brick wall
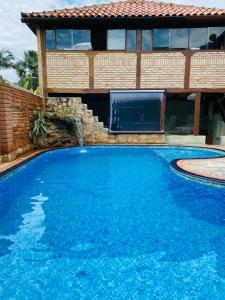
[(16, 107)]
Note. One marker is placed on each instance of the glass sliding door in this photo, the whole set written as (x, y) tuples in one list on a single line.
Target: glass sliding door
[(136, 111)]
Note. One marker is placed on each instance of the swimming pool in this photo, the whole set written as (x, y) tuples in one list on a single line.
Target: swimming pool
[(111, 223)]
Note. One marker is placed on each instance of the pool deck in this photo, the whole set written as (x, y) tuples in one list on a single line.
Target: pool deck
[(211, 168)]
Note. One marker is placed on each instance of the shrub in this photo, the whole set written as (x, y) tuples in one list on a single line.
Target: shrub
[(39, 129)]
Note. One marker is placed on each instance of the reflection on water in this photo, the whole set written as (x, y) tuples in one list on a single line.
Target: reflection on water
[(30, 231)]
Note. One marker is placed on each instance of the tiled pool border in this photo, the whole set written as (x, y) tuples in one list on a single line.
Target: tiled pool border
[(194, 176), (174, 164)]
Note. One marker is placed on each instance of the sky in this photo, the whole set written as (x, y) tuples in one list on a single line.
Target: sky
[(17, 37)]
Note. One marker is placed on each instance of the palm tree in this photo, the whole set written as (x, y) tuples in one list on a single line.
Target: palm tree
[(27, 70), (6, 59)]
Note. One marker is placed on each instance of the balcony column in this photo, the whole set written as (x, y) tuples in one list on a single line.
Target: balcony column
[(138, 66), (42, 61), (198, 97)]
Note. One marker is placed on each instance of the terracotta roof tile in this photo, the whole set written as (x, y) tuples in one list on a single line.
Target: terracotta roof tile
[(136, 8)]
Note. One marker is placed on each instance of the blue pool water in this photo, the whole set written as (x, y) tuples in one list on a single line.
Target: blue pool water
[(111, 223)]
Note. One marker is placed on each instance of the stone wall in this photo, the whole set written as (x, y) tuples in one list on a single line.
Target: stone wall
[(16, 108), (58, 135), (94, 131)]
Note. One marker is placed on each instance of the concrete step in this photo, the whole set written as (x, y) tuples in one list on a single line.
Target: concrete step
[(89, 112), (96, 119)]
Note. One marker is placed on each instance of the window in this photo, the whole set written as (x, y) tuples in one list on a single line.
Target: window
[(50, 39), (64, 39), (133, 111), (216, 38), (161, 38), (198, 38), (179, 38), (127, 39), (116, 39), (146, 40), (180, 113), (81, 39), (131, 40)]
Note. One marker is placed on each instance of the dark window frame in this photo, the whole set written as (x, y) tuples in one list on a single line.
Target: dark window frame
[(139, 40), (161, 113)]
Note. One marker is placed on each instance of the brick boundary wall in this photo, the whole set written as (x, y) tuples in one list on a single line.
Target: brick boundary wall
[(16, 108)]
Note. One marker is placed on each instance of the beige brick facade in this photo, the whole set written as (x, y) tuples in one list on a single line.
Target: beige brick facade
[(162, 70), (67, 70), (115, 70), (112, 70), (208, 70)]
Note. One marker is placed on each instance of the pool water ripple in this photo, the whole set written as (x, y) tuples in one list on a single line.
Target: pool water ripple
[(111, 223)]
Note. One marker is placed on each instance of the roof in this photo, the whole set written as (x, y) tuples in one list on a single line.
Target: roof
[(128, 8)]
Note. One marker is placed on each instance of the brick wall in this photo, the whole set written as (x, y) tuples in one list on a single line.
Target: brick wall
[(162, 70), (112, 70), (67, 70), (208, 70), (16, 107), (115, 70)]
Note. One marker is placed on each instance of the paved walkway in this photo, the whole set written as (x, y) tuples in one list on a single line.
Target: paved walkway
[(211, 167)]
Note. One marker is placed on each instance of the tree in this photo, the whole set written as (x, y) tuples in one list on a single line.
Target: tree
[(27, 70), (6, 59)]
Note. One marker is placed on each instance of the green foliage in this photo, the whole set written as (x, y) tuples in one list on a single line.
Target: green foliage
[(27, 70), (39, 129), (36, 92), (65, 114), (6, 59)]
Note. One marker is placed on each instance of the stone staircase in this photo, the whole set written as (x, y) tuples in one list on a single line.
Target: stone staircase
[(93, 130)]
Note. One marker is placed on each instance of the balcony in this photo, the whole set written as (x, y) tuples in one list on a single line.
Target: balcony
[(100, 71)]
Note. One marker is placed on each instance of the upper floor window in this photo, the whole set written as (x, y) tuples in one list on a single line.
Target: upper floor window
[(131, 40), (116, 39), (136, 40), (121, 39), (179, 38), (161, 39), (81, 39), (216, 38), (68, 39), (64, 39), (198, 38), (50, 39), (146, 41)]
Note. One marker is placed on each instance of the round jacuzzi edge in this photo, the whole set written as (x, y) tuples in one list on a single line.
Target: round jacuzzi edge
[(196, 177)]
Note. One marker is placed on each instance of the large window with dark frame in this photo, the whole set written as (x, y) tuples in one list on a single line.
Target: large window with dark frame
[(136, 111), (127, 39), (68, 39)]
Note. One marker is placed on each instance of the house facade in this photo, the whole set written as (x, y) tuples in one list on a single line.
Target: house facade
[(143, 67)]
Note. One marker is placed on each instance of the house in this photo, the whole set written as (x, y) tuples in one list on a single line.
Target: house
[(143, 67)]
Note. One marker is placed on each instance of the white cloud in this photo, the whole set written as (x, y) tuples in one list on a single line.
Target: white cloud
[(17, 37)]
